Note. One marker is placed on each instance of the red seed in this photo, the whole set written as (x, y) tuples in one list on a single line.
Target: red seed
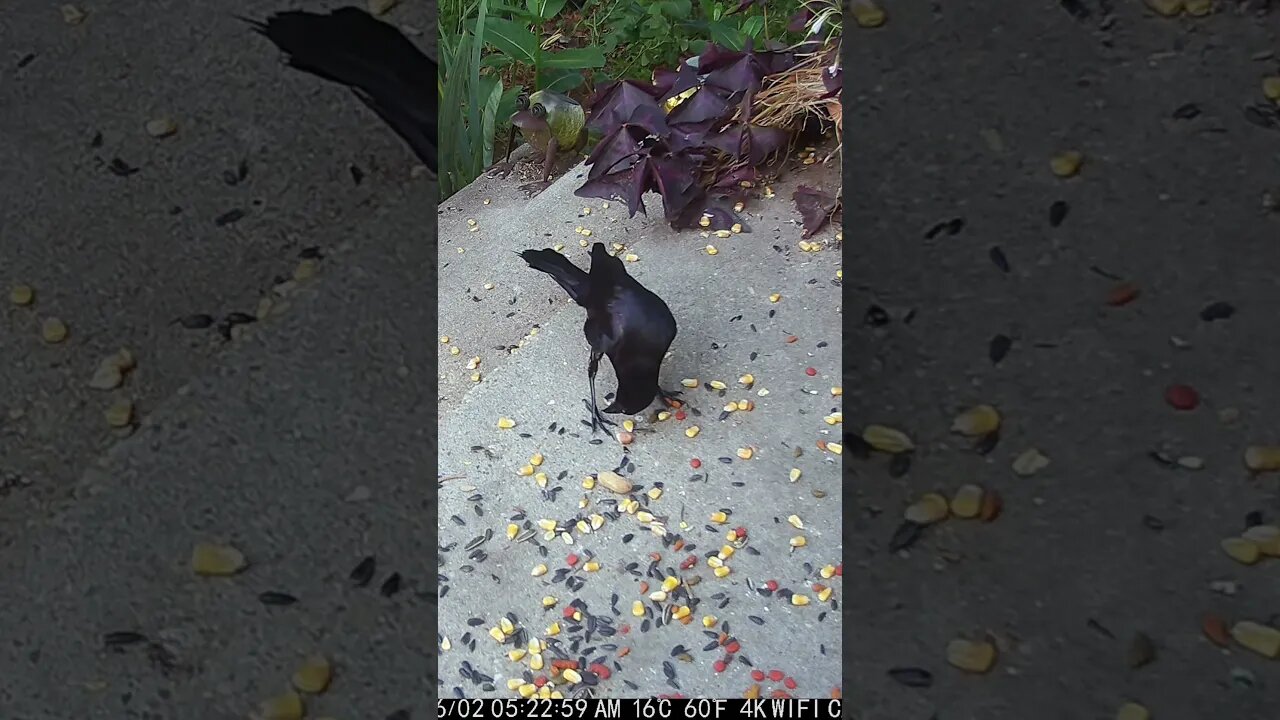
[(681, 415), (626, 629), (689, 562), (780, 694), (1182, 397), (740, 532), (540, 680), (572, 559), (1122, 294), (757, 675), (791, 339), (771, 584), (720, 665), (776, 675), (695, 463), (810, 371), (790, 683), (602, 671), (733, 647), (569, 610), (840, 570)]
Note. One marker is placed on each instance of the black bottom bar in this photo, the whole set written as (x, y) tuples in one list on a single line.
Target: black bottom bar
[(644, 708)]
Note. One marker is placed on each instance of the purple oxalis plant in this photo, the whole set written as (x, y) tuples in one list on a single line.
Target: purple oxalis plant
[(698, 156)]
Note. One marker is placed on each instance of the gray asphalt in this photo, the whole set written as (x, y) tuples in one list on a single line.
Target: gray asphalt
[(119, 258), (1170, 205)]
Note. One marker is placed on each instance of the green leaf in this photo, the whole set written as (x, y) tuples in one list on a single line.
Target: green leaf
[(489, 124), (561, 82), (574, 59), (677, 9), (752, 26), (514, 39), (496, 62), (724, 34), (545, 9), (475, 145)]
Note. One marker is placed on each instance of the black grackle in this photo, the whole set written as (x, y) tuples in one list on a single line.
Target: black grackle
[(381, 66), (625, 322)]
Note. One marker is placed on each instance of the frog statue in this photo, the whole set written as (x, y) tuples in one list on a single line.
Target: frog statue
[(552, 123)]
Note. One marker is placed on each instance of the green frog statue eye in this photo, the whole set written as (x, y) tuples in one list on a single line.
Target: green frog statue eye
[(522, 101), (539, 111)]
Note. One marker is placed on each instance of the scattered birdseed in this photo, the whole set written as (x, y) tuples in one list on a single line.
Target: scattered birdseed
[(216, 560)]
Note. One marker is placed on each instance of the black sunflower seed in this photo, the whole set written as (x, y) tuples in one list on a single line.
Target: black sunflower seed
[(1078, 10), (913, 677), (276, 598), (391, 585), (876, 316), (120, 168), (229, 217), (998, 258), (195, 321), (905, 536), (1217, 311), (987, 443), (121, 638), (363, 572), (998, 348), (1058, 212)]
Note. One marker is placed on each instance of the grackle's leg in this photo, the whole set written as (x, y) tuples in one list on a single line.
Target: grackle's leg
[(598, 420), (669, 397), (505, 167)]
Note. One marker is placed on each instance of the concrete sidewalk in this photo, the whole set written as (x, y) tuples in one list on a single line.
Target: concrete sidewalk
[(728, 327)]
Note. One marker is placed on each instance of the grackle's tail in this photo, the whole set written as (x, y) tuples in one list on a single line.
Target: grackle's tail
[(572, 278), (384, 69)]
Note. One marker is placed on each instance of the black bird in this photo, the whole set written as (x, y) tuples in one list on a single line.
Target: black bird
[(380, 65), (625, 322)]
